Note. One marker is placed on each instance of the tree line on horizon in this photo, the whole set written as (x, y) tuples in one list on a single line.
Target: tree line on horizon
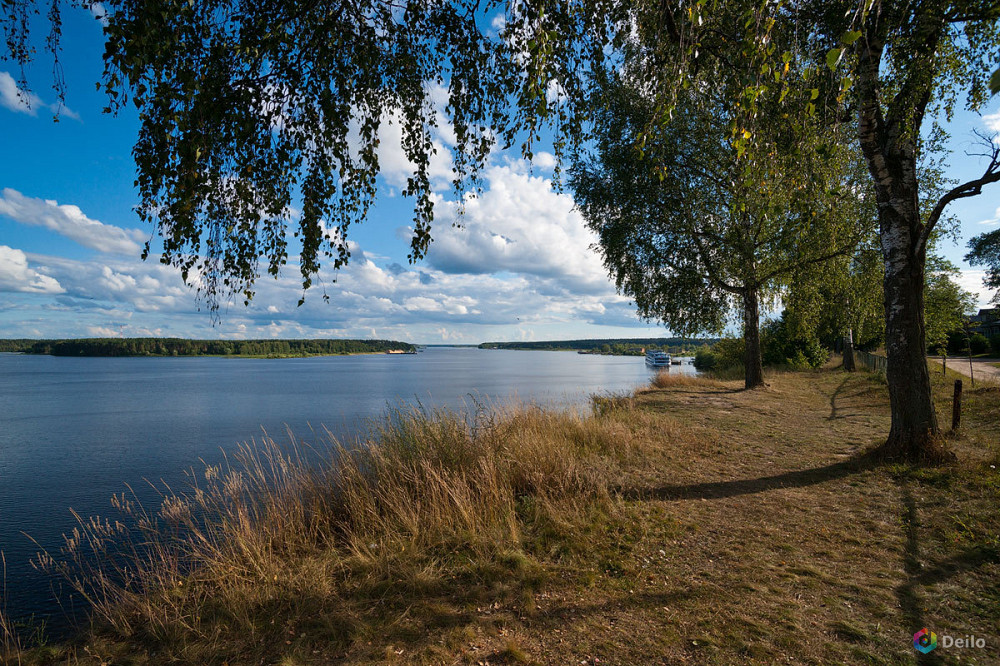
[(618, 346), (185, 347)]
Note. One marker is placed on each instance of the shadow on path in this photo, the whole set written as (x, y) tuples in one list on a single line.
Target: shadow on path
[(908, 593), (737, 487), (834, 412)]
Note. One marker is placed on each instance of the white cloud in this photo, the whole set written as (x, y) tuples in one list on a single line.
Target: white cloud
[(519, 266), (15, 100), (972, 281), (995, 220), (992, 122), (27, 102), (519, 225), (69, 221), (16, 275), (544, 160), (99, 12)]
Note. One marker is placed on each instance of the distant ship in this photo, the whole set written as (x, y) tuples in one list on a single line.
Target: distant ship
[(657, 359)]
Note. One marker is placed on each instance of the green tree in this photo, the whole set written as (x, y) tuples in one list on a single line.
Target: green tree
[(692, 233), (946, 304), (244, 105), (984, 250)]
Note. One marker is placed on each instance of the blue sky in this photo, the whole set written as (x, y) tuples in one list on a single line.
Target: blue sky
[(520, 267)]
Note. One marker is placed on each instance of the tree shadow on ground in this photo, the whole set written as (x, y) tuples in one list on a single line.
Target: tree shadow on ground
[(737, 487), (909, 594)]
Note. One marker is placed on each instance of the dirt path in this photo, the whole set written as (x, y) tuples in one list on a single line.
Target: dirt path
[(768, 538)]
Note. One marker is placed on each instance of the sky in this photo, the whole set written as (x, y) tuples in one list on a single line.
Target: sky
[(520, 266)]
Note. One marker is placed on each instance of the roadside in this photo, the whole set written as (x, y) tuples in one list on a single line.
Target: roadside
[(982, 368)]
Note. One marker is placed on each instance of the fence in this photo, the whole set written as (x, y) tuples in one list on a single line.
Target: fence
[(873, 362)]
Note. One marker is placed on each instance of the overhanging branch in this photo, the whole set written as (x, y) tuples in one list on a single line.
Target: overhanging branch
[(969, 189)]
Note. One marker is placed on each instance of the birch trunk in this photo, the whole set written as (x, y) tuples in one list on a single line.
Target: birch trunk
[(752, 362), (849, 363), (914, 427)]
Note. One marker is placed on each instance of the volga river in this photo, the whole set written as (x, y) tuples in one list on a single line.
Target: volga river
[(74, 431)]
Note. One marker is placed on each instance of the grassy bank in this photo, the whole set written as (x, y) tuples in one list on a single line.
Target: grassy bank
[(690, 523)]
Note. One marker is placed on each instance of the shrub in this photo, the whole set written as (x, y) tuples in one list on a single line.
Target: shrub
[(705, 358), (729, 353), (979, 344), (780, 347), (958, 343), (995, 345)]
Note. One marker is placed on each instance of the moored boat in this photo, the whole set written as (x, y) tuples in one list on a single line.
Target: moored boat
[(657, 359)]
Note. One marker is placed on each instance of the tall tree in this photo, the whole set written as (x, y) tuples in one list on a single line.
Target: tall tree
[(913, 57), (689, 231)]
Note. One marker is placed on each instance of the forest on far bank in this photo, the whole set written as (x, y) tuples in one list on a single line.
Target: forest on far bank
[(617, 346), (183, 347)]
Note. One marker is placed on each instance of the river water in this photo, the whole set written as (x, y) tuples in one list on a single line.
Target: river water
[(74, 431)]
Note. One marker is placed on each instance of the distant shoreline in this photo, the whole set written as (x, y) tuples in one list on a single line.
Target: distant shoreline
[(180, 347)]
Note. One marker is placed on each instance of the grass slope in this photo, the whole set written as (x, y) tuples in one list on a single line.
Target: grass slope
[(691, 523)]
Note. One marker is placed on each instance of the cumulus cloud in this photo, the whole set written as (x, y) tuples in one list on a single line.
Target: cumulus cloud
[(519, 225), (519, 264), (16, 275), (69, 221), (27, 102)]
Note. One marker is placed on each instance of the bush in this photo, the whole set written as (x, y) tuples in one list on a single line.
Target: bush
[(780, 347), (957, 343), (705, 358), (729, 353), (995, 345), (979, 344)]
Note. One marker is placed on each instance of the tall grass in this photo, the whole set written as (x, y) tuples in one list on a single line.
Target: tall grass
[(10, 644), (291, 531), (665, 379)]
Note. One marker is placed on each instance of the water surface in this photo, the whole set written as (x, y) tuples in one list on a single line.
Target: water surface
[(74, 431)]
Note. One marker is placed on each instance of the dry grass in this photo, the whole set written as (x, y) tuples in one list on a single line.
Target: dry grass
[(690, 523), (286, 536), (10, 642), (664, 379)]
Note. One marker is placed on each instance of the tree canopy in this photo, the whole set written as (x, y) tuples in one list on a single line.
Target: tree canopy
[(690, 231)]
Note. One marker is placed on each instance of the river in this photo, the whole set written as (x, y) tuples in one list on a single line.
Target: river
[(74, 431)]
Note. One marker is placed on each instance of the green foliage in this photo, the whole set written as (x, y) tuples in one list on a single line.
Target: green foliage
[(782, 346), (729, 353), (705, 358), (692, 232), (182, 347), (946, 304), (984, 250), (979, 344)]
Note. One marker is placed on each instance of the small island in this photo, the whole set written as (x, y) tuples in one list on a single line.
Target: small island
[(184, 347)]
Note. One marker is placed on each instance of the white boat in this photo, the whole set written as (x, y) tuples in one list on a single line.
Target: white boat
[(657, 359)]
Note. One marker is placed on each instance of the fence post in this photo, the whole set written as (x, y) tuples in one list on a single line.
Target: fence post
[(956, 406)]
